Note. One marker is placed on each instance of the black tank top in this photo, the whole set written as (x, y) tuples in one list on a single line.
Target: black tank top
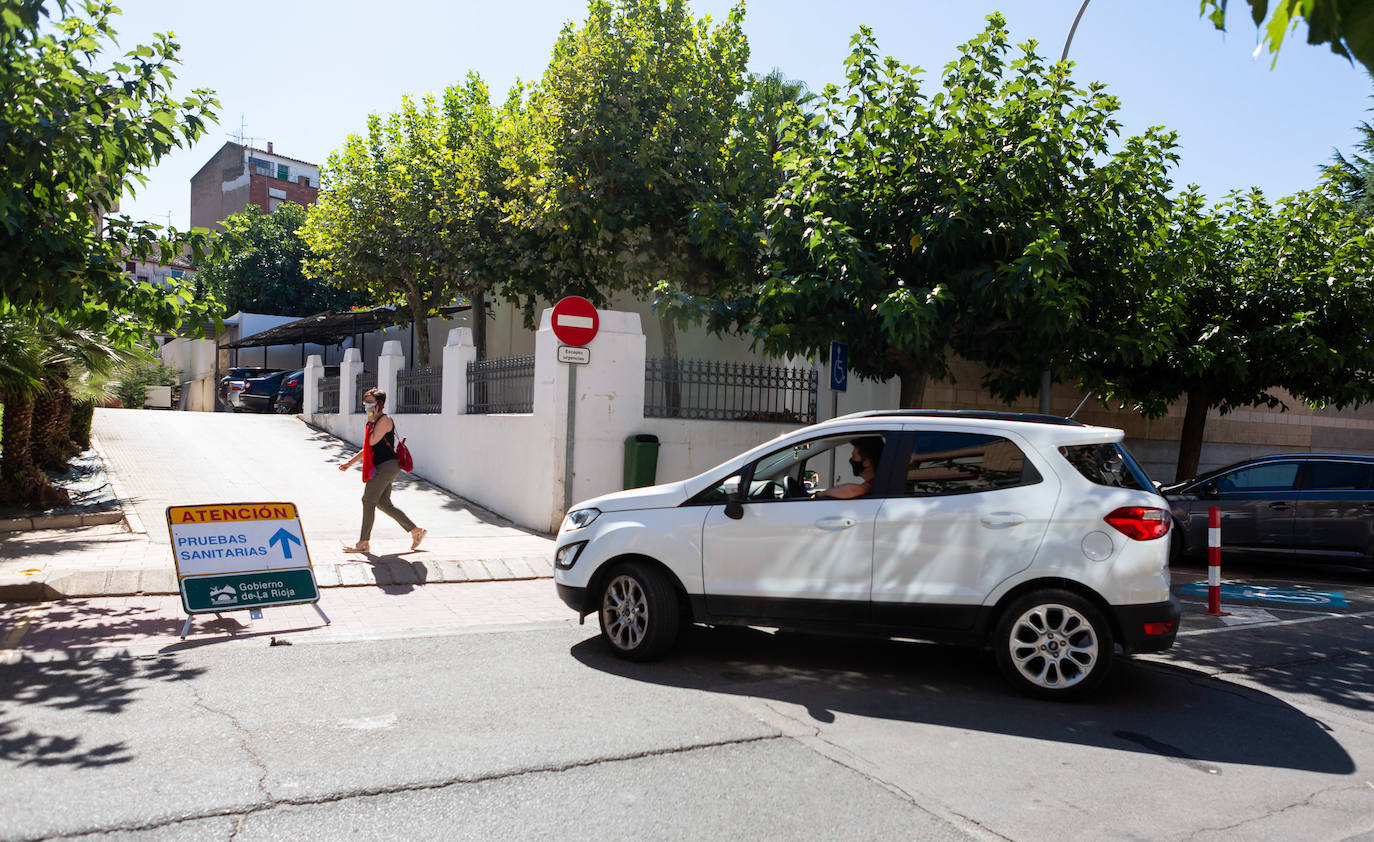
[(385, 450)]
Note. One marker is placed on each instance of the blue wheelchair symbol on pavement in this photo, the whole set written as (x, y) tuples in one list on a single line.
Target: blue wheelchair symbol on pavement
[(1260, 593), (839, 366)]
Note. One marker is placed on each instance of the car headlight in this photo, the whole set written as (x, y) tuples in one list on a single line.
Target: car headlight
[(566, 556), (579, 518)]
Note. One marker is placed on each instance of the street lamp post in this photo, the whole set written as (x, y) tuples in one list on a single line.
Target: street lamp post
[(1047, 377)]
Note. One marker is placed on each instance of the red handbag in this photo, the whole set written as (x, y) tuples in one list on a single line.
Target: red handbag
[(403, 456)]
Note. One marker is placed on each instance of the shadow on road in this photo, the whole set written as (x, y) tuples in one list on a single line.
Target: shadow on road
[(105, 686), (1150, 708)]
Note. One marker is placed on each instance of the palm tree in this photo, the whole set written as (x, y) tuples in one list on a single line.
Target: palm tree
[(40, 363)]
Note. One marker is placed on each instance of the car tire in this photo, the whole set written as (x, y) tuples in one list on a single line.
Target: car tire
[(638, 612), (1054, 644)]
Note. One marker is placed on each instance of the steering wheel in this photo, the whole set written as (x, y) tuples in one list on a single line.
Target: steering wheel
[(793, 488)]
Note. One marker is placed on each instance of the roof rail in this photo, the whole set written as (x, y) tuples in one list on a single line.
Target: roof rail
[(985, 415)]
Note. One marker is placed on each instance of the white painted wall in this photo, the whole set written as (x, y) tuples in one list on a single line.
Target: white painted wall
[(515, 464)]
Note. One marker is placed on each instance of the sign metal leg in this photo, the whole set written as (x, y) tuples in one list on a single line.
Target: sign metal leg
[(320, 611), (186, 629)]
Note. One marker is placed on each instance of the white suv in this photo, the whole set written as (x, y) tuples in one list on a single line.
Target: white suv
[(1033, 534)]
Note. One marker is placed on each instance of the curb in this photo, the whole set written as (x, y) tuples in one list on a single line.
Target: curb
[(127, 516), (156, 581), (73, 521)]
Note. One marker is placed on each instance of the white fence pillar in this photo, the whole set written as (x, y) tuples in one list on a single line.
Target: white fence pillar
[(391, 360), (609, 402), (310, 396), (458, 352), (349, 369)]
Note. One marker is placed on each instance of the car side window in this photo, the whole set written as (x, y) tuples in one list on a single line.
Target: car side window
[(1278, 476), (806, 470), (1339, 476), (959, 463)]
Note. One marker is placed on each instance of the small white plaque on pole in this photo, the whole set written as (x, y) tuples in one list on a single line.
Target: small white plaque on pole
[(575, 356)]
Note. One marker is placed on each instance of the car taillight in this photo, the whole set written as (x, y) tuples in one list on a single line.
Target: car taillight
[(1139, 522)]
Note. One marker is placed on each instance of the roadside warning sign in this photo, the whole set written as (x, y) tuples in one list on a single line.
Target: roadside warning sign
[(236, 556)]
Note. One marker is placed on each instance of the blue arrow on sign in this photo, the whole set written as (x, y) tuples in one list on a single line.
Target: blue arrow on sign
[(283, 537)]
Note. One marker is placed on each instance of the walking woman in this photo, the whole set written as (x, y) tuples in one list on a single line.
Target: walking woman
[(379, 471)]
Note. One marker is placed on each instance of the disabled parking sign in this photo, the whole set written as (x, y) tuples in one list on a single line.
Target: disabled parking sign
[(240, 556), (1262, 593)]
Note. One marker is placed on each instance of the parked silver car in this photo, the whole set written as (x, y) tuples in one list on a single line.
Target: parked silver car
[(1295, 506)]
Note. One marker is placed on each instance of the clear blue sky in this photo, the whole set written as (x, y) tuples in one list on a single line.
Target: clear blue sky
[(305, 73)]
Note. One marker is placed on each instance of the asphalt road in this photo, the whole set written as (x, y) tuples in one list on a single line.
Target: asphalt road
[(538, 734)]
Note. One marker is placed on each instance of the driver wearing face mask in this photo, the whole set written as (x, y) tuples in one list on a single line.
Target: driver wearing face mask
[(863, 461)]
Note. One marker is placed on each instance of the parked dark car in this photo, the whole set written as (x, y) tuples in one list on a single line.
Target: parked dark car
[(291, 395), (235, 381), (259, 394), (1309, 506)]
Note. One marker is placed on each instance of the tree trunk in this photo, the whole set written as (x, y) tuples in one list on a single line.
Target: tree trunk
[(913, 378), (47, 442), (479, 324), (420, 325), (1190, 443), (21, 482), (65, 408), (672, 384)]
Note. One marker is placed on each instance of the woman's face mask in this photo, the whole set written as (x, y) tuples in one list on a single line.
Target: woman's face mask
[(857, 465), (370, 407)]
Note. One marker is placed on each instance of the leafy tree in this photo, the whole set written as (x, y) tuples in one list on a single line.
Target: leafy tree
[(1263, 297), (1347, 25), (76, 133), (1354, 173), (262, 269), (411, 212), (74, 136), (991, 220), (627, 135)]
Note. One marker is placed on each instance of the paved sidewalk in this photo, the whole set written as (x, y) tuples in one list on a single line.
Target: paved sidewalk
[(146, 625), (158, 459)]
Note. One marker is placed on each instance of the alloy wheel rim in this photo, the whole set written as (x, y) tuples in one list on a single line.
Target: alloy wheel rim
[(625, 612), (1053, 646)]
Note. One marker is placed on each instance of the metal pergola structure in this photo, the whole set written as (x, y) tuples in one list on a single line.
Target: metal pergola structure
[(328, 328)]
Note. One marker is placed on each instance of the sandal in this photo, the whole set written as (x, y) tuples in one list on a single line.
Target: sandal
[(416, 536), (360, 547)]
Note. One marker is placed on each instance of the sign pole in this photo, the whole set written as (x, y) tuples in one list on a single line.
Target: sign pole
[(572, 426), (1214, 562)]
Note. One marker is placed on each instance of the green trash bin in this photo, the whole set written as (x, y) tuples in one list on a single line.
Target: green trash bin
[(641, 460)]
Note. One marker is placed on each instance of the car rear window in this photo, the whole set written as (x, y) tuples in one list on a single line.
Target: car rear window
[(1107, 464)]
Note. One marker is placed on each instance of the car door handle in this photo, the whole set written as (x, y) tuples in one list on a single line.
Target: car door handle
[(835, 524), (1002, 520), (1278, 507)]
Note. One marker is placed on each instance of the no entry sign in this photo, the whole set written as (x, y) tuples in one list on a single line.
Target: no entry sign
[(575, 321)]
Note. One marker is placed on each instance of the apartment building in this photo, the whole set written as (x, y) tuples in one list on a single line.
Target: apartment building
[(239, 175)]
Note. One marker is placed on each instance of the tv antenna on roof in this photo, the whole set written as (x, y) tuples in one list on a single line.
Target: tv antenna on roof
[(241, 136)]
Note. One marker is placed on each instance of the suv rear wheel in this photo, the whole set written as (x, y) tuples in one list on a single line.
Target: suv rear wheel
[(639, 612), (1054, 644)]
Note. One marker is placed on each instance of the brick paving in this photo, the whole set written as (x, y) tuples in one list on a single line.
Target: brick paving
[(157, 459), (152, 624)]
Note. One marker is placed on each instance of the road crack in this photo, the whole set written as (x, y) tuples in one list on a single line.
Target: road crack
[(243, 741), (1268, 814), (244, 813), (835, 753)]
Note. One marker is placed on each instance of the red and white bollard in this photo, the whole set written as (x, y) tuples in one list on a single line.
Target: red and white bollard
[(1214, 562)]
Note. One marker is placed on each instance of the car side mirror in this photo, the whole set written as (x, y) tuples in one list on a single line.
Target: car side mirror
[(734, 504), (1208, 491)]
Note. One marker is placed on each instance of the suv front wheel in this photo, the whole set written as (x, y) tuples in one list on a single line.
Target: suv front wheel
[(638, 612), (1054, 644)]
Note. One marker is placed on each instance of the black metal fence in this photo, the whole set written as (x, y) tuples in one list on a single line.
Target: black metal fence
[(722, 391), (420, 389), (361, 383), (504, 385), (328, 395)]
